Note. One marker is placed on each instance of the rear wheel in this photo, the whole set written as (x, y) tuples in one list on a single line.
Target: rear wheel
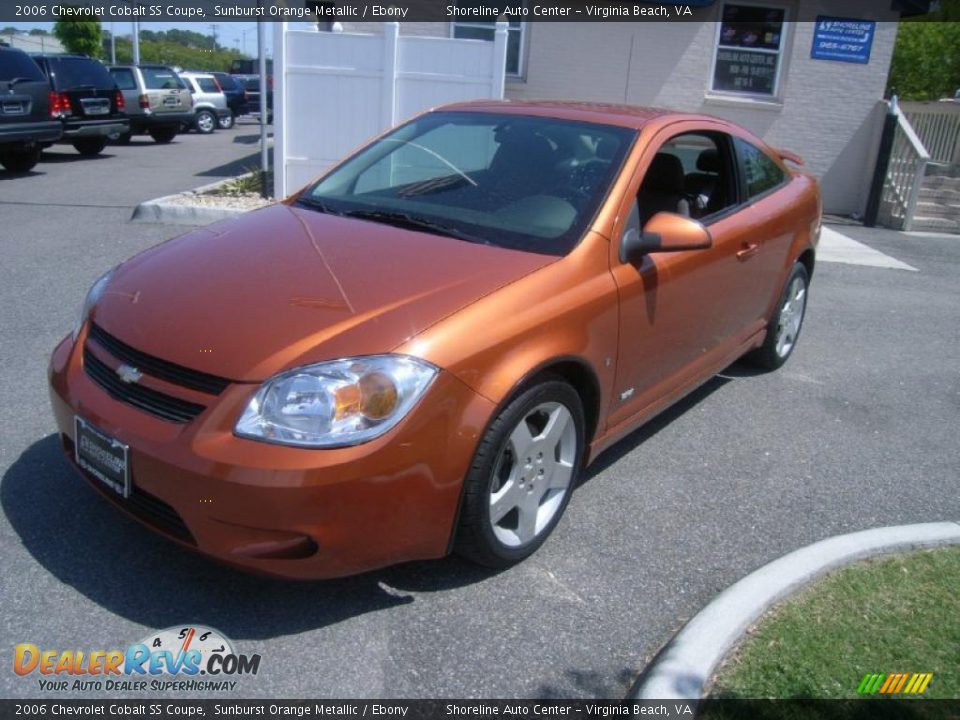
[(20, 161), (784, 329), (227, 121), (88, 147), (206, 122), (522, 476), (163, 135)]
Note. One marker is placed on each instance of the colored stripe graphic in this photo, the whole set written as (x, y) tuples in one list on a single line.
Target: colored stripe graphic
[(894, 683)]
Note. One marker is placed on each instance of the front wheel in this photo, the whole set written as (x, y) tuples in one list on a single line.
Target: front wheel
[(206, 122), (227, 121), (20, 161), (88, 147), (784, 328), (522, 476)]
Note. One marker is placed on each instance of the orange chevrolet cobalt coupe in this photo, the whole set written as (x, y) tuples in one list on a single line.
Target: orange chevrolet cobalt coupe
[(419, 353)]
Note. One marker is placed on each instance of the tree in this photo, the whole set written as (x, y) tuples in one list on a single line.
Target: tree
[(38, 31), (926, 56), (83, 36)]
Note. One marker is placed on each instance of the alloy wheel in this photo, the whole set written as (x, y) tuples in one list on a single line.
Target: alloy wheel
[(791, 317), (533, 474)]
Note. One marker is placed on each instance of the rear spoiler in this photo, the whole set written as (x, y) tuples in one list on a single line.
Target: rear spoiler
[(787, 155)]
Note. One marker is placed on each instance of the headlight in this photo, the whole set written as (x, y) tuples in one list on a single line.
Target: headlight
[(95, 293), (331, 404)]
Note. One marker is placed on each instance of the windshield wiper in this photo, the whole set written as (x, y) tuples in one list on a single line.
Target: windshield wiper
[(411, 222), (316, 205)]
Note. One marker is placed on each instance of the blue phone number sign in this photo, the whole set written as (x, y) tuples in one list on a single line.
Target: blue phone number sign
[(843, 40)]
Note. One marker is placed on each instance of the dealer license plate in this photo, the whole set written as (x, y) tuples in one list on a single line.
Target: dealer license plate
[(102, 456)]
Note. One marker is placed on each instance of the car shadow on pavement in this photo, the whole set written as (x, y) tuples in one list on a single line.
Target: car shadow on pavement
[(48, 157), (234, 167), (639, 436), (6, 175), (87, 544)]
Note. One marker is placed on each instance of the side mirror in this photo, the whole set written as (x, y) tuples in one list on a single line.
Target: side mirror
[(664, 232)]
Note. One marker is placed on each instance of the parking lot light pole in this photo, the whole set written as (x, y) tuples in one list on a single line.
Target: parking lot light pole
[(262, 57), (136, 42)]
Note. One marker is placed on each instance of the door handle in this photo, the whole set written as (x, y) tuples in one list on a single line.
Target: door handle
[(748, 251)]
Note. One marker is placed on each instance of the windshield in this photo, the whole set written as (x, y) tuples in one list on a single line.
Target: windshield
[(527, 183)]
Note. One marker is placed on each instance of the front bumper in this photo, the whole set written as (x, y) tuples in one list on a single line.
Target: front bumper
[(289, 512)]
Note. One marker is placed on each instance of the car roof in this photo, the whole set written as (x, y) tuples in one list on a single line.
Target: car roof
[(631, 116)]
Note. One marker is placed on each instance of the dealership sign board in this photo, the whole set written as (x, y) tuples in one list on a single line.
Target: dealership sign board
[(843, 40)]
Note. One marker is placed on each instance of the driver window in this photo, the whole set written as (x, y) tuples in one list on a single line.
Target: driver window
[(690, 175)]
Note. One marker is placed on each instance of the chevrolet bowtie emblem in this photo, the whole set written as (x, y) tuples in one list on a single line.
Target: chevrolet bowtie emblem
[(129, 374)]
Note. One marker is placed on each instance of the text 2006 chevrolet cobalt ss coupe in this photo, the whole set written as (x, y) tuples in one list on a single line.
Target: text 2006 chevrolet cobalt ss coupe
[(419, 353)]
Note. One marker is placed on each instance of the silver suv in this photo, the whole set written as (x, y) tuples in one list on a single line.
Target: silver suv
[(158, 102), (209, 102)]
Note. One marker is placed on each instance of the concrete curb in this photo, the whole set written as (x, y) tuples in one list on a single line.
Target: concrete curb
[(161, 210), (681, 670)]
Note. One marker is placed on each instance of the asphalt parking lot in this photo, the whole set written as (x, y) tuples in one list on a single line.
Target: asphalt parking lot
[(857, 431)]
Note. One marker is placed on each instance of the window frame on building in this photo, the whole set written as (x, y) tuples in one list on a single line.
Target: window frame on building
[(781, 53), (514, 26)]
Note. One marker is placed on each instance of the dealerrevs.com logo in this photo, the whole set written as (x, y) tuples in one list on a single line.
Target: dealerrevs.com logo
[(172, 659)]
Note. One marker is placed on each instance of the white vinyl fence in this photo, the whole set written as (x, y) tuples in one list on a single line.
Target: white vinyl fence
[(937, 124), (334, 91)]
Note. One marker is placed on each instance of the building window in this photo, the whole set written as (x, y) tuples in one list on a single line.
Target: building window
[(485, 29), (749, 53)]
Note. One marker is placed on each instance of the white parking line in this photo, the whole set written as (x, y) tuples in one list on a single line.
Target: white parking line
[(836, 247)]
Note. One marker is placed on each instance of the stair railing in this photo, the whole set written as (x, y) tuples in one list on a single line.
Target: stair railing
[(906, 166)]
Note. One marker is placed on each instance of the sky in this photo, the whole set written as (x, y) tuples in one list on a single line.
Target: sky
[(236, 35)]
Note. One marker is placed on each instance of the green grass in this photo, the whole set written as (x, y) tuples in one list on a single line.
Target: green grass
[(899, 613)]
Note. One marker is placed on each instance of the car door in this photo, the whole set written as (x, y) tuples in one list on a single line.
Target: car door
[(682, 314), (766, 201)]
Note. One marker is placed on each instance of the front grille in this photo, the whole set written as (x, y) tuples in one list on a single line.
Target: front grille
[(152, 510), (156, 403), (171, 372)]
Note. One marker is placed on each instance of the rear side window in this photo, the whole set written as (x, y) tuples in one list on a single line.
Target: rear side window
[(760, 171), (16, 64), (161, 79), (208, 85), (76, 72), (124, 78)]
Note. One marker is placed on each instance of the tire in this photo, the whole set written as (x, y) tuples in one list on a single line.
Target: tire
[(88, 147), (522, 476), (783, 331), (225, 123), (20, 161), (206, 122), (163, 135)]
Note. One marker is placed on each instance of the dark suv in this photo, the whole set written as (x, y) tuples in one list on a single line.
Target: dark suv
[(86, 99), (25, 122), (236, 95)]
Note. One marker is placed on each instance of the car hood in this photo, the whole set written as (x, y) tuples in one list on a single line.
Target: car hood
[(285, 286)]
